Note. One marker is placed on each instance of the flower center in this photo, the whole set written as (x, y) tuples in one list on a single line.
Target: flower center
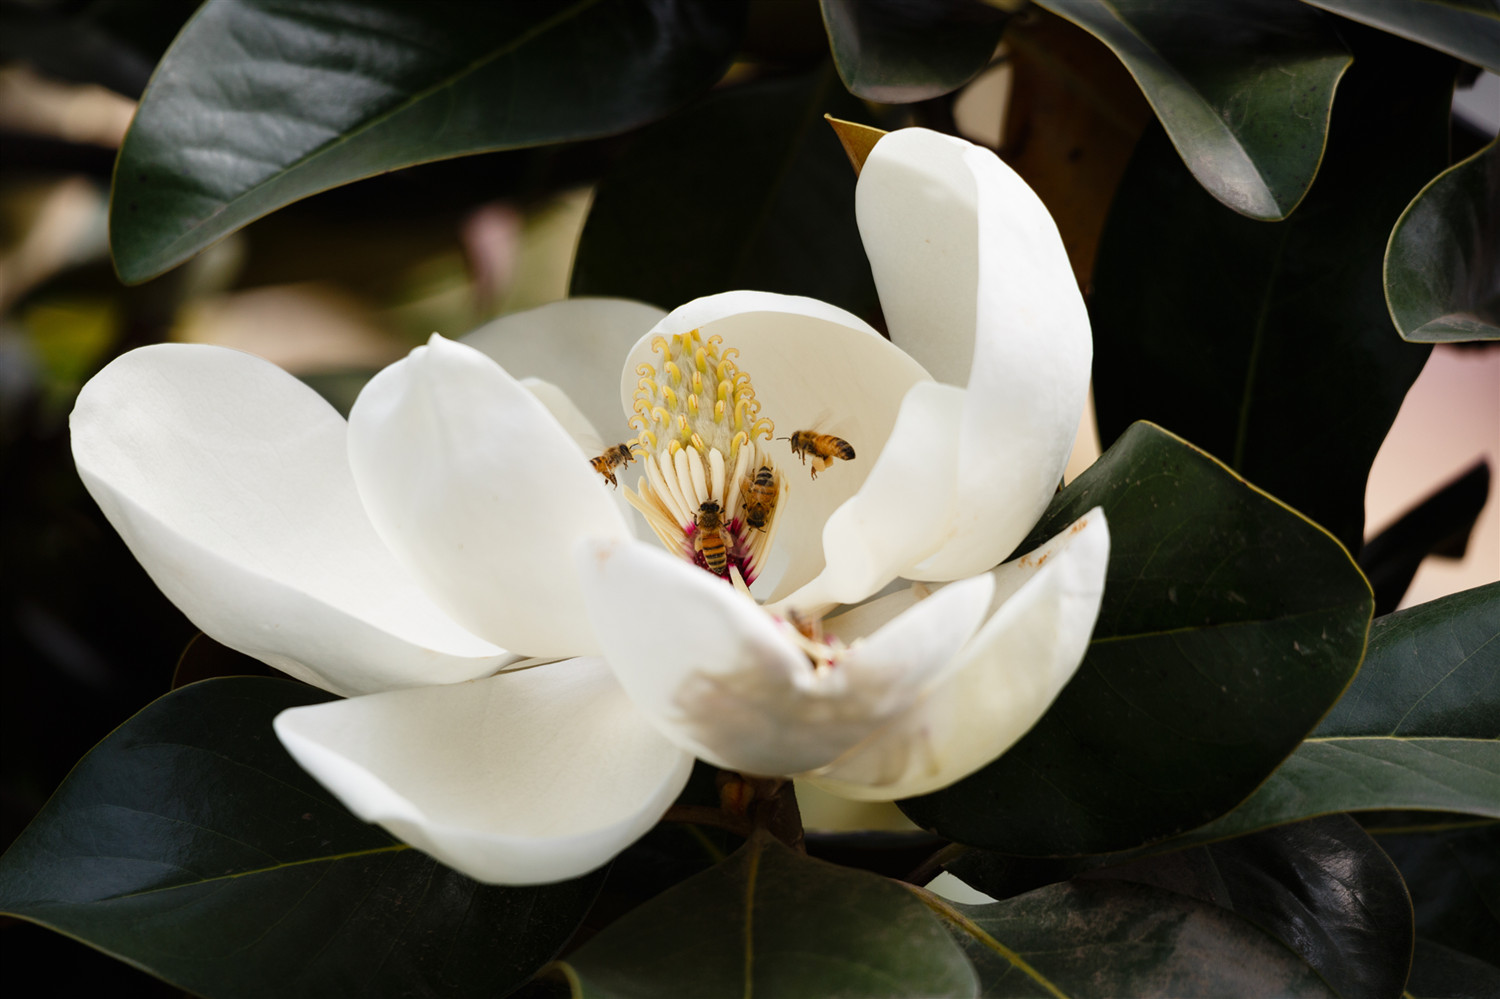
[(710, 491)]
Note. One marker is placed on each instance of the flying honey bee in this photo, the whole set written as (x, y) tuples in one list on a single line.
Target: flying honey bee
[(760, 497), (822, 447), (709, 539), (612, 458)]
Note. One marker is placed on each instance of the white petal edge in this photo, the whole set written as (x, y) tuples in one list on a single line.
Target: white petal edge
[(903, 510), (576, 344), (722, 678), (1000, 684), (229, 481), (975, 282), (578, 426), (528, 777), (481, 493), (814, 366)]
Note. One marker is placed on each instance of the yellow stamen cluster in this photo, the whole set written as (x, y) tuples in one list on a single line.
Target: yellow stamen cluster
[(700, 431)]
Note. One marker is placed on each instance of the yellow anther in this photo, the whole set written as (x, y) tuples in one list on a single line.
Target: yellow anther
[(730, 353), (740, 406), (673, 371), (764, 426), (650, 438), (692, 401), (747, 388), (645, 370), (673, 446), (697, 381), (698, 443), (660, 415), (725, 369), (700, 359), (714, 341), (682, 426), (719, 411), (637, 423), (660, 346), (725, 390), (642, 406), (669, 396), (646, 385), (740, 440)]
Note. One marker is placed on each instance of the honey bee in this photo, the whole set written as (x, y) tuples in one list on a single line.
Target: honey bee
[(709, 539), (822, 447), (760, 497), (612, 458)]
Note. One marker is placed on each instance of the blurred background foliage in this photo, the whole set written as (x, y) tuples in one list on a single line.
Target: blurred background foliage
[(743, 186)]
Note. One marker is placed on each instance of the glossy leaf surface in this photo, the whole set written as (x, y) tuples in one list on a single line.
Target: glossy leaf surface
[(898, 52), (1468, 29), (1418, 729), (191, 845), (1453, 875), (1243, 88), (1096, 939), (1229, 625), (1269, 345), (771, 922), (1442, 266), (748, 189), (259, 103), (1322, 888)]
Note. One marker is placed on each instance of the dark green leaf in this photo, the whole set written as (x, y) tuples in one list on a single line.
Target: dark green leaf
[(1229, 625), (1440, 525), (1105, 939), (1468, 29), (191, 845), (772, 922), (1322, 888), (1243, 87), (262, 102), (1269, 345), (1438, 972), (1454, 878), (749, 189), (900, 51), (1442, 266), (1416, 730)]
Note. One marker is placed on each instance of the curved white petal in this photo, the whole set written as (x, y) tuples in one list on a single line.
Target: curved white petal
[(903, 510), (581, 429), (975, 283), (229, 481), (481, 493), (527, 777), (814, 366), (576, 344), (721, 677), (1002, 681)]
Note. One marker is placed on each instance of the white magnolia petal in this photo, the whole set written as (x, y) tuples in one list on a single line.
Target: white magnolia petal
[(814, 366), (905, 654), (527, 777), (1002, 681), (699, 658), (576, 344), (975, 282), (728, 682), (579, 427), (229, 481), (481, 493), (902, 512)]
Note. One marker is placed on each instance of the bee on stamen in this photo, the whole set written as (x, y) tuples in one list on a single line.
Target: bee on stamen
[(822, 447), (759, 495), (612, 458), (708, 540)]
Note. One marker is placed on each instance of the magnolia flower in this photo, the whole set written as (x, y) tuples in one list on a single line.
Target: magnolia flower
[(531, 658)]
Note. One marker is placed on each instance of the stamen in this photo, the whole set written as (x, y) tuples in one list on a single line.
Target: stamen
[(685, 482), (700, 482), (716, 472), (673, 372)]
